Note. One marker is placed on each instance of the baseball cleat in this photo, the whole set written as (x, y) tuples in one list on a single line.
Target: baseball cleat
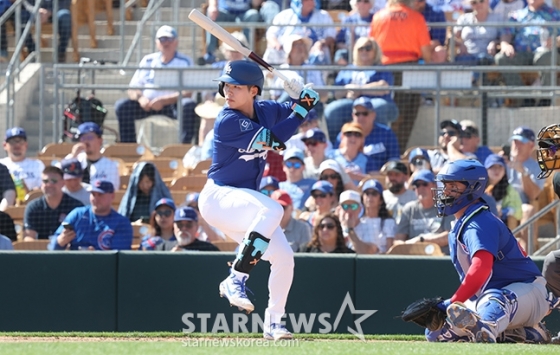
[(537, 334), (463, 318), (234, 290), (277, 332)]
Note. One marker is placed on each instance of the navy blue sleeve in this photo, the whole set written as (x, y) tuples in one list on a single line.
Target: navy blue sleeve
[(6, 182), (393, 150), (123, 236), (31, 217)]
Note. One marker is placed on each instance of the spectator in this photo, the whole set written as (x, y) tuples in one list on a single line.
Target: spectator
[(186, 228), (419, 160), (311, 123), (476, 45), (294, 21), (25, 172), (149, 101), (161, 225), (332, 172), (228, 11), (396, 195), (88, 152), (470, 141), (229, 53), (523, 170), (362, 14), (349, 153), (206, 232), (349, 211), (145, 189), (437, 34), (43, 215), (269, 184), (45, 13), (327, 236), (503, 8), (404, 39), (7, 188), (324, 201), (449, 145), (419, 218), (73, 185), (380, 144), (208, 111), (296, 185), (360, 83), (94, 227), (298, 233), (317, 148), (376, 226), (5, 243), (519, 44), (7, 227), (507, 198)]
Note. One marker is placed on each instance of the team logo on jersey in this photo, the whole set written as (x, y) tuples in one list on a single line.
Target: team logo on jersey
[(105, 239), (252, 154), (245, 125)]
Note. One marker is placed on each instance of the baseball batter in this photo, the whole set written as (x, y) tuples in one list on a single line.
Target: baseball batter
[(244, 131), (505, 286)]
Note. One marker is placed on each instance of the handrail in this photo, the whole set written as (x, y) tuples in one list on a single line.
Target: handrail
[(529, 224)]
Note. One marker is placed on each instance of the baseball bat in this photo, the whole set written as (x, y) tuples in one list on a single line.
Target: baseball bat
[(223, 35)]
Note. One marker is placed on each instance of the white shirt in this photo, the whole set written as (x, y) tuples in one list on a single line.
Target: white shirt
[(28, 170), (369, 231), (103, 169)]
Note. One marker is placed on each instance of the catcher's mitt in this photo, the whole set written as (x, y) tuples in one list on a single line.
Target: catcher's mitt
[(425, 313)]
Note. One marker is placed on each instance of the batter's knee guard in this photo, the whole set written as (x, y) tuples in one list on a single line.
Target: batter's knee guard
[(250, 252)]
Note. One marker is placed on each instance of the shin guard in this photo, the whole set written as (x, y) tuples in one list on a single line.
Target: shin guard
[(250, 252)]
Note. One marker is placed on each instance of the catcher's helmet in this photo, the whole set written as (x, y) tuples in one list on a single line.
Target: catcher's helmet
[(241, 72), (468, 172), (548, 148)]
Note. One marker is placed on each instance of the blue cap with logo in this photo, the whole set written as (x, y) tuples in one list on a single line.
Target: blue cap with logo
[(166, 31), (165, 202), (269, 181), (185, 214), (323, 186), (315, 134), (101, 186), (424, 175), (88, 127), (523, 134), (372, 184), (294, 153), (365, 102), (71, 168), (15, 132), (494, 159), (420, 153)]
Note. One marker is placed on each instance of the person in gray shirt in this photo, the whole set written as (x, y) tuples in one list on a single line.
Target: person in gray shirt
[(73, 185), (396, 195), (298, 233)]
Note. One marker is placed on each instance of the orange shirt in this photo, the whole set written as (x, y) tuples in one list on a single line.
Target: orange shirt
[(400, 32)]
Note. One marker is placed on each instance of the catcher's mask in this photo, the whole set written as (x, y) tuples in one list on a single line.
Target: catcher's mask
[(548, 149)]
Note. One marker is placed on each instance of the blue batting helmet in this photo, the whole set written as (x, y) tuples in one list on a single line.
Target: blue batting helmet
[(241, 72), (470, 173)]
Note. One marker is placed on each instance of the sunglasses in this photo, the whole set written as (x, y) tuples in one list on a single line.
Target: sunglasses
[(311, 143), (361, 113), (371, 193), (318, 195), (420, 184), (367, 48), (350, 206), (329, 226), (329, 176), (164, 213), (182, 225), (353, 134), (166, 39), (52, 181), (449, 133), (267, 192), (291, 164)]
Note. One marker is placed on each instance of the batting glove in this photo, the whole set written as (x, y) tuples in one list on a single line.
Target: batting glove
[(294, 88), (308, 99), (444, 304)]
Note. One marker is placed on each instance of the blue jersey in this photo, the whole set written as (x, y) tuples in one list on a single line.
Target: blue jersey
[(234, 162), (298, 191), (111, 232), (479, 229), (361, 77)]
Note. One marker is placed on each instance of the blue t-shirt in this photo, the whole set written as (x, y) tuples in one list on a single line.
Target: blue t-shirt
[(485, 231), (362, 77), (234, 161), (44, 220), (111, 232), (435, 16), (234, 6), (298, 191), (359, 164)]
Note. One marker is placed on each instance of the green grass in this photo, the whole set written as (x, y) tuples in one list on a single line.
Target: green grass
[(176, 343)]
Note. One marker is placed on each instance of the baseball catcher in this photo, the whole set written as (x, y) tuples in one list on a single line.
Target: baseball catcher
[(548, 144)]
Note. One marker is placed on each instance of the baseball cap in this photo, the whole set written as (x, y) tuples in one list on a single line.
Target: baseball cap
[(424, 175), (282, 197), (288, 43), (238, 36), (395, 165), (420, 153), (523, 134), (372, 184), (352, 127), (451, 123), (192, 197), (89, 127), (323, 186), (269, 180), (166, 31), (315, 134), (185, 214), (494, 159), (71, 168), (350, 195), (165, 202), (365, 102), (101, 186), (15, 132), (329, 164), (470, 131), (294, 153), (341, 54)]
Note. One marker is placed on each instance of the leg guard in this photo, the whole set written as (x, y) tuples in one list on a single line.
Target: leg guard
[(447, 334), (497, 306), (250, 252)]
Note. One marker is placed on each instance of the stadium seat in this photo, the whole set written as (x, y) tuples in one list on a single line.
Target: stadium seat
[(167, 167), (139, 230), (201, 168), (189, 183), (124, 181), (31, 245), (128, 152), (118, 197), (124, 167), (59, 150), (179, 196), (31, 195), (177, 151), (427, 249), (16, 212)]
